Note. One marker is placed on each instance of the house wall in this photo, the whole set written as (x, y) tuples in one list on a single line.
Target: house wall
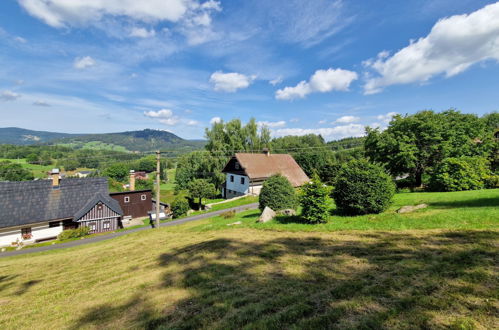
[(98, 217), (39, 231), (233, 189), (136, 207)]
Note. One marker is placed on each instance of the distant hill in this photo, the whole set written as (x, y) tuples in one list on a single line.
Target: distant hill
[(145, 140), (21, 136)]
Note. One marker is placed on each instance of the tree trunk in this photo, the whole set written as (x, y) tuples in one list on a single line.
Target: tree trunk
[(200, 205), (418, 178)]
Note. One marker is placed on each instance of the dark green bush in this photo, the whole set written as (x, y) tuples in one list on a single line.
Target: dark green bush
[(462, 173), (74, 233), (362, 188), (180, 206), (278, 194), (314, 201)]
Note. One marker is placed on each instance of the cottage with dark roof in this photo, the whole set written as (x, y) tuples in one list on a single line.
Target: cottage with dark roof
[(246, 172), (32, 211)]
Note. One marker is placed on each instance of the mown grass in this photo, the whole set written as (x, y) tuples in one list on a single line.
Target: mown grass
[(210, 275), (477, 209)]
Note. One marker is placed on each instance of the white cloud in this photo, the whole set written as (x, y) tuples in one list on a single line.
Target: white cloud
[(276, 81), (272, 124), (386, 118), (294, 120), (163, 113), (83, 62), (347, 119), (322, 81), (329, 133), (215, 120), (60, 13), (9, 96), (322, 122), (21, 40), (453, 45), (141, 32), (41, 103), (230, 82)]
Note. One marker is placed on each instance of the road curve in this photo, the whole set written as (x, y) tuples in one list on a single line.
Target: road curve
[(252, 206)]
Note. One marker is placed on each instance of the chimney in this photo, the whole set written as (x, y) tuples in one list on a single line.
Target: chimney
[(55, 177), (132, 180), (266, 152)]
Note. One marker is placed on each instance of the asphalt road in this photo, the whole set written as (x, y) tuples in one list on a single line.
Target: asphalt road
[(126, 232)]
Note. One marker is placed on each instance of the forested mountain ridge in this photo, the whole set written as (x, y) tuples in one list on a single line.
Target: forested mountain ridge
[(21, 136), (144, 140)]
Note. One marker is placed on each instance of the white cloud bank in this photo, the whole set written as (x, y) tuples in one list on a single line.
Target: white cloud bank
[(62, 13), (347, 119), (83, 62), (272, 124), (230, 82), (329, 133), (322, 81), (453, 45), (9, 96), (165, 116)]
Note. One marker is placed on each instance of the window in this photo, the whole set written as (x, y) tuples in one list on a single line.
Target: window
[(54, 224), (26, 233), (143, 197), (106, 225), (231, 178), (99, 207), (236, 165), (92, 226), (242, 180), (127, 199)]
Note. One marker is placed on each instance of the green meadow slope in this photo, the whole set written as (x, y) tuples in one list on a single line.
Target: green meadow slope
[(436, 268)]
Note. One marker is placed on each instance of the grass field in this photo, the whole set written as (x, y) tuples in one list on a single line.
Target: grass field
[(39, 171), (268, 276)]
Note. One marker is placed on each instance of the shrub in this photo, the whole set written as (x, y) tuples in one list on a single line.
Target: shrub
[(314, 201), (180, 206), (278, 194), (228, 214), (462, 173), (74, 233), (363, 188), (492, 182)]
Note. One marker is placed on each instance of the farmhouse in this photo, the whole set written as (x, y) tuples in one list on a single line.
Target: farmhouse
[(32, 211), (246, 172)]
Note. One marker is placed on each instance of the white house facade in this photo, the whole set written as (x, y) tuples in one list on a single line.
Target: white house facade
[(30, 234)]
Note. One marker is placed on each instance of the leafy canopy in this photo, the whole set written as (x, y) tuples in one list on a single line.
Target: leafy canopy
[(278, 194)]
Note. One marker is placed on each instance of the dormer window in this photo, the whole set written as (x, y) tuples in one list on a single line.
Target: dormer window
[(236, 165)]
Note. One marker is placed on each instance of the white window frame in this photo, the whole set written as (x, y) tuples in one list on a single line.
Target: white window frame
[(143, 197), (106, 225), (127, 199), (92, 226)]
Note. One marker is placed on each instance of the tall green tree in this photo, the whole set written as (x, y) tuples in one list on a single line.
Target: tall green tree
[(199, 165), (201, 188), (416, 143), (14, 172)]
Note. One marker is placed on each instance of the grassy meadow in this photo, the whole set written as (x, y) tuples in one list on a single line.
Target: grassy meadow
[(434, 268)]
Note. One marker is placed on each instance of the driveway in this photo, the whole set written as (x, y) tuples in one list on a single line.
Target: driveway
[(252, 206)]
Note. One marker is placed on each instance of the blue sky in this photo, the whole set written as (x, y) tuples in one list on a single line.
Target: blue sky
[(325, 67)]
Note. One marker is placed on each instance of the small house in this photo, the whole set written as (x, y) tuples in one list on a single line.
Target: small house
[(246, 172), (32, 211), (134, 203)]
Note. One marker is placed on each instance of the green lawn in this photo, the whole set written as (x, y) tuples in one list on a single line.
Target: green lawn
[(477, 209), (272, 276)]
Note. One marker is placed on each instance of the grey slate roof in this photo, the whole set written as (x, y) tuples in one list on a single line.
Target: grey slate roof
[(28, 202), (99, 197)]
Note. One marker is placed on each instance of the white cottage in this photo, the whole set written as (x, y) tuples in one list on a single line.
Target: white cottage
[(246, 172)]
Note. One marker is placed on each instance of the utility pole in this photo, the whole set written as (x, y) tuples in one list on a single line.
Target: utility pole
[(158, 188)]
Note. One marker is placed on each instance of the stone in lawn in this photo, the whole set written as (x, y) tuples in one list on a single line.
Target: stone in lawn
[(267, 215), (411, 208), (234, 223)]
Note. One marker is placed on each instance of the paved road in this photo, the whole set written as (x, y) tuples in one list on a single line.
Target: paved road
[(126, 232)]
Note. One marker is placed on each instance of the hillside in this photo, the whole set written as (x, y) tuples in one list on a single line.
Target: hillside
[(145, 140), (21, 136), (206, 274)]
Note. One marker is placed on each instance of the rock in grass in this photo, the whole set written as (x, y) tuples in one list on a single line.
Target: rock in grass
[(267, 215), (411, 208)]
